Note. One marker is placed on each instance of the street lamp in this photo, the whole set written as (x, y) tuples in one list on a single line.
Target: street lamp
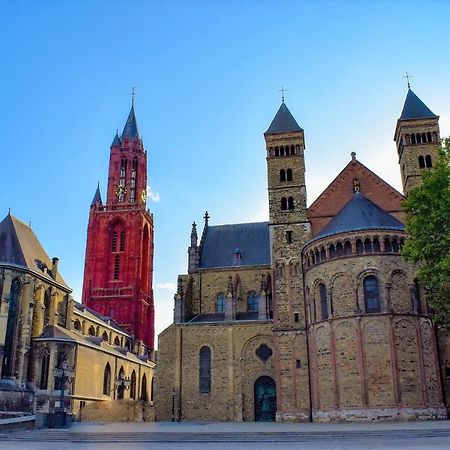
[(63, 374), (122, 383)]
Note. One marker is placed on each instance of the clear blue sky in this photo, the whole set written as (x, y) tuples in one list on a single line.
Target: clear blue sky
[(207, 76)]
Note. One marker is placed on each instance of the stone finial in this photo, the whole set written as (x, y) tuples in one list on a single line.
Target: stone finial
[(353, 155), (194, 236), (230, 285)]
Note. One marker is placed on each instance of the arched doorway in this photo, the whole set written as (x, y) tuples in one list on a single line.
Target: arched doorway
[(265, 400)]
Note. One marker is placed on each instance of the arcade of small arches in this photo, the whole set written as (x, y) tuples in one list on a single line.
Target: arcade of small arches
[(284, 150), (96, 331), (354, 246)]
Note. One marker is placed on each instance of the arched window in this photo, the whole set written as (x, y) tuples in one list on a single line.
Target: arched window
[(45, 363), (144, 395), (387, 245), (339, 249), (421, 162), (424, 138), (122, 241), (220, 303), (323, 254), (332, 251), (277, 151), (413, 139), (289, 175), (283, 204), (367, 245), (121, 188), (120, 386), (359, 247), (347, 248), (105, 336), (204, 381), (418, 138), (107, 380), (376, 245), (117, 341), (77, 325), (317, 255), (133, 181), (282, 175), (133, 385), (323, 301), (252, 301), (429, 139), (91, 331), (371, 294), (395, 246), (292, 150), (291, 203), (428, 161)]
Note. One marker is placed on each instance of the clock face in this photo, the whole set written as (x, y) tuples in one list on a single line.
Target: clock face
[(121, 190), (144, 195)]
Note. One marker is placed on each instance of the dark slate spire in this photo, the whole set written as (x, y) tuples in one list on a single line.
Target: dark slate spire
[(131, 130), (360, 213), (414, 108), (283, 121), (97, 196), (116, 142)]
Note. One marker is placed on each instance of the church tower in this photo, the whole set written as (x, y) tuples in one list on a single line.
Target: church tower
[(289, 230), (418, 140), (118, 268)]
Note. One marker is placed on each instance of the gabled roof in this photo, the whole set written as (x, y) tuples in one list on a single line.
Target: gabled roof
[(19, 245), (131, 129), (283, 121), (97, 196), (414, 108), (221, 244), (360, 214)]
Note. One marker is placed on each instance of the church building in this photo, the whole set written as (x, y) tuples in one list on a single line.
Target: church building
[(313, 315)]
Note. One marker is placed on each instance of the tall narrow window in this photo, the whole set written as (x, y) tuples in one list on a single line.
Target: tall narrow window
[(291, 203), (107, 380), (371, 294), (121, 386), (347, 248), (122, 241), (282, 175), (144, 395), (367, 245), (116, 267), (289, 175), (252, 301), (220, 303), (421, 162), (284, 204), (133, 385), (359, 247), (123, 171), (323, 301), (133, 181), (289, 237), (428, 161), (429, 139), (45, 363), (114, 242), (205, 370)]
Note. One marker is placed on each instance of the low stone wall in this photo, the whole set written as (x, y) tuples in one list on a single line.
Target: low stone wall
[(117, 411), (379, 414), (20, 402)]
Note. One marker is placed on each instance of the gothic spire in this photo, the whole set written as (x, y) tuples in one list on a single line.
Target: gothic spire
[(283, 121), (97, 196), (414, 108), (116, 142), (130, 130)]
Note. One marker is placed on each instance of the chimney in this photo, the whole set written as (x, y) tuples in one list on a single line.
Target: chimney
[(54, 270)]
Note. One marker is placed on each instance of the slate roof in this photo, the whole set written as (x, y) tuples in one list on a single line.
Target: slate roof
[(359, 213), (19, 245), (283, 121), (221, 242), (116, 142), (414, 108), (97, 196), (131, 129), (111, 322)]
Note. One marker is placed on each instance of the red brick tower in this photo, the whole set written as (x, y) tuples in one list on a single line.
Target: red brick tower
[(118, 270)]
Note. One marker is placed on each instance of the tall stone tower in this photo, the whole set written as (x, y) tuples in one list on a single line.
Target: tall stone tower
[(289, 230), (118, 269), (418, 140)]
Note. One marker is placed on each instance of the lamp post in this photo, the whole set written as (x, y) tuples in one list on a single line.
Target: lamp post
[(122, 383), (63, 374)]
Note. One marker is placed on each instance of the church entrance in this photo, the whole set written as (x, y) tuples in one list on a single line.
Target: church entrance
[(265, 400)]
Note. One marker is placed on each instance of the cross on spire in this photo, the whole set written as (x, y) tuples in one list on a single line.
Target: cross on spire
[(206, 217), (408, 77), (282, 90), (133, 94)]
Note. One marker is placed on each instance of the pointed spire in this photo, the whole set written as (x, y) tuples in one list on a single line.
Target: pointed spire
[(194, 237), (283, 121), (97, 196), (130, 130), (116, 142), (414, 108)]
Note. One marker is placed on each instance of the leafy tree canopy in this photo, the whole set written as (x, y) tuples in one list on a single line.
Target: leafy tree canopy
[(428, 224)]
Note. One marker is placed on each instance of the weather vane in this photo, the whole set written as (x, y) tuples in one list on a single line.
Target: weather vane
[(282, 90), (408, 77)]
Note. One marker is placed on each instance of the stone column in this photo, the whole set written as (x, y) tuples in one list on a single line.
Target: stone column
[(53, 308), (24, 338), (262, 306)]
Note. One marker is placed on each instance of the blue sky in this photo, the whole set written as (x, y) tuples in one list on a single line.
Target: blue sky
[(207, 77)]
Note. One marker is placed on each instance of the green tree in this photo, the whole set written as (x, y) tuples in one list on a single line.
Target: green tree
[(428, 224)]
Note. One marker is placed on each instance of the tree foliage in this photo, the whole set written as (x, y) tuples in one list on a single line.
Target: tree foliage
[(428, 224)]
